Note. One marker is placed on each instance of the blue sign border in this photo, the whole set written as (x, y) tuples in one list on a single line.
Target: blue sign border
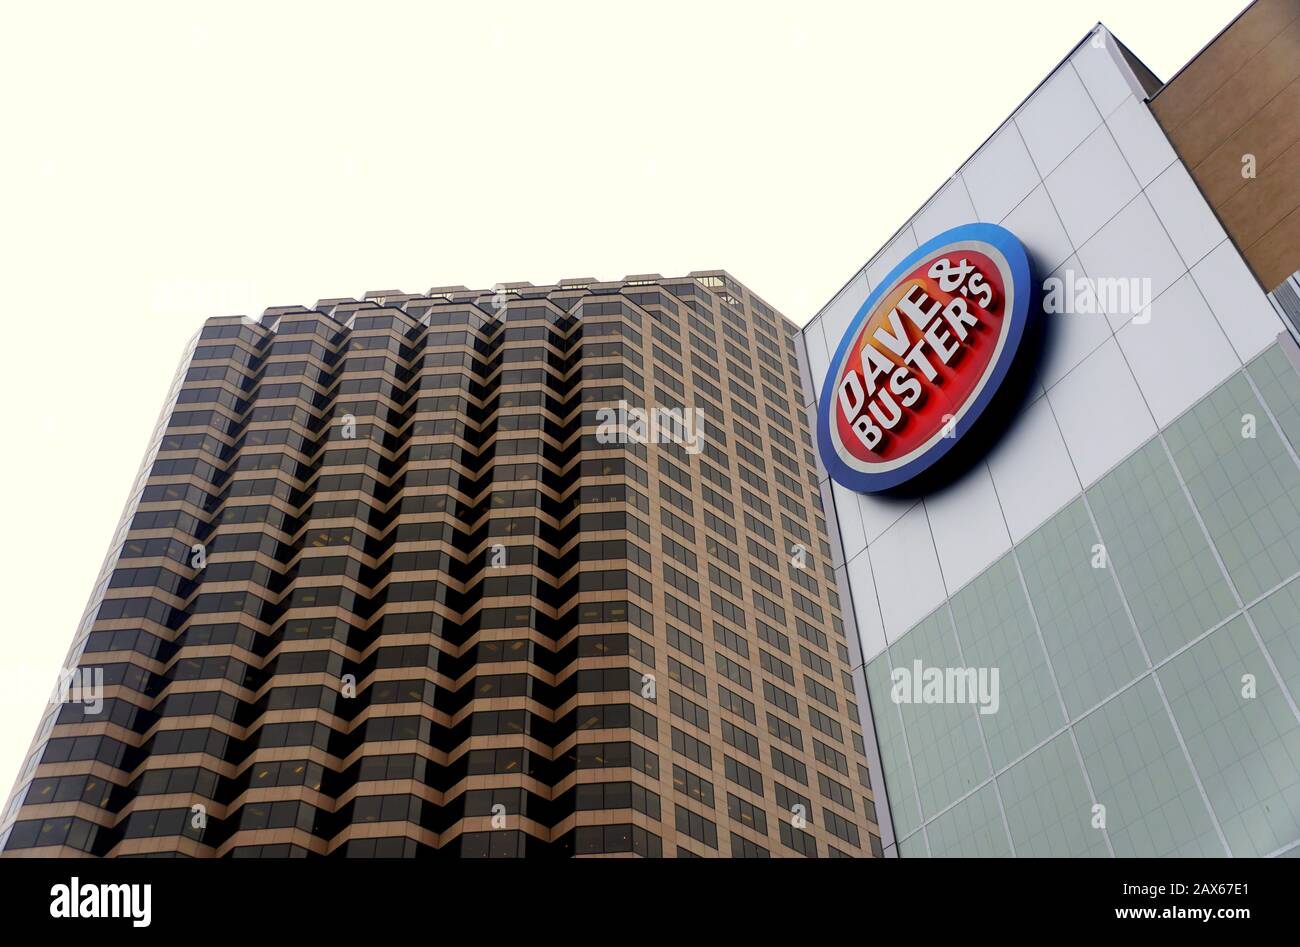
[(1018, 260)]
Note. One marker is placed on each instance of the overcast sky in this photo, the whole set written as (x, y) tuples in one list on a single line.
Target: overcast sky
[(164, 163)]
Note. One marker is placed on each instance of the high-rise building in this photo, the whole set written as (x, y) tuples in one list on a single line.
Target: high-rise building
[(1113, 546), (540, 570)]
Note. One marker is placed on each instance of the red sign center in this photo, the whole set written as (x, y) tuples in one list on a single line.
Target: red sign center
[(920, 356)]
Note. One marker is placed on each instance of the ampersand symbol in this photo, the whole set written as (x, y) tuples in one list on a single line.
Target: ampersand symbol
[(949, 275)]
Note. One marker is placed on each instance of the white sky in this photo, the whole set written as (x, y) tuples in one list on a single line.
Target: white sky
[(163, 163)]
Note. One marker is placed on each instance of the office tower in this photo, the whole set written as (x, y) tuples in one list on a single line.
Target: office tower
[(537, 570)]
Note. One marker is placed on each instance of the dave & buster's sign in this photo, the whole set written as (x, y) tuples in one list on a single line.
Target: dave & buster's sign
[(923, 357)]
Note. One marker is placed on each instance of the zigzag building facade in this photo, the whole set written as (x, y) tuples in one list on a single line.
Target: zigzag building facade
[(384, 589)]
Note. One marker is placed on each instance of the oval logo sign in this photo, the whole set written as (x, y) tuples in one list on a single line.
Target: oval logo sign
[(923, 357)]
